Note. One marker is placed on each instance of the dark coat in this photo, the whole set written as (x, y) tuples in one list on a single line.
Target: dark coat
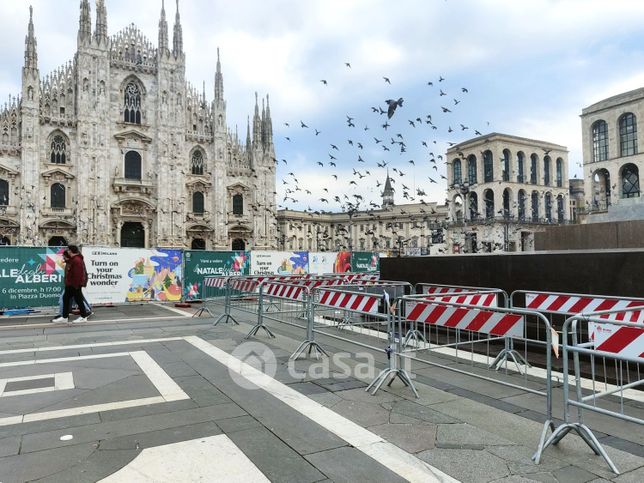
[(75, 274)]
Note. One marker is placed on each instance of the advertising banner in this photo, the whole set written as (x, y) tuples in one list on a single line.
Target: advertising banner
[(117, 275), (322, 262), (279, 263), (200, 264), (365, 262), (30, 277), (342, 262)]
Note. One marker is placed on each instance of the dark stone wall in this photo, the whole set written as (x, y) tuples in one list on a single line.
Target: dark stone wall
[(593, 236), (604, 272)]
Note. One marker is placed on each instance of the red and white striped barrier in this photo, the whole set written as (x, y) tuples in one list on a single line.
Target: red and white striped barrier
[(350, 277), (569, 304), (478, 299), (356, 302), (243, 285), (625, 341), (284, 291), (219, 282), (476, 320), (438, 289)]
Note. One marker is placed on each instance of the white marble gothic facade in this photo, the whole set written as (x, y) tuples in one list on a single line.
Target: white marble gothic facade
[(116, 148)]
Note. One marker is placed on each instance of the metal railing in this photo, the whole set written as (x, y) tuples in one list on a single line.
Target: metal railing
[(615, 351)]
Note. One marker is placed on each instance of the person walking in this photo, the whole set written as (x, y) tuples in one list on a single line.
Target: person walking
[(88, 307), (75, 279)]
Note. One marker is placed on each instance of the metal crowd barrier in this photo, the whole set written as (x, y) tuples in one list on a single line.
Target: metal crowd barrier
[(368, 306), (480, 298), (567, 304), (442, 289), (481, 329), (613, 343)]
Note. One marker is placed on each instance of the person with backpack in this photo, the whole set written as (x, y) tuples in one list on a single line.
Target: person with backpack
[(75, 279)]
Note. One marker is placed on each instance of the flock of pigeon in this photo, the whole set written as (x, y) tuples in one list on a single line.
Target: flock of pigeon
[(375, 145)]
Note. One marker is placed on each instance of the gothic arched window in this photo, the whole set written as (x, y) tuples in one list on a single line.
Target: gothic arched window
[(132, 165), (630, 181), (238, 205), (533, 168), (627, 134), (488, 167), (506, 165), (58, 154), (197, 165), (546, 170), (471, 169), (198, 203), (600, 141), (559, 174), (457, 171), (520, 167), (132, 104), (4, 192), (57, 192)]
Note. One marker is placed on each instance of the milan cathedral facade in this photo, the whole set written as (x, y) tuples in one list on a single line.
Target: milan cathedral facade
[(115, 148)]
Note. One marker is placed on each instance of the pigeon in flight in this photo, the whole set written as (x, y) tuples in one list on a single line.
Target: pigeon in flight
[(393, 104)]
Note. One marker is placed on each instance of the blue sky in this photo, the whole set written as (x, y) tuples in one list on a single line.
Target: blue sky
[(530, 67)]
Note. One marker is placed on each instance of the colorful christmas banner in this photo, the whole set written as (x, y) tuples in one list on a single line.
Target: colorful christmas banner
[(199, 264), (30, 277), (117, 275), (322, 262), (279, 263), (365, 262)]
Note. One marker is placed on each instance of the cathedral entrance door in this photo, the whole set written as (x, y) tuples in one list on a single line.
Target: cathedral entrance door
[(238, 244), (133, 235)]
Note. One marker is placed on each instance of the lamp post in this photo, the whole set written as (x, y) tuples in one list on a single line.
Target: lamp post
[(352, 209)]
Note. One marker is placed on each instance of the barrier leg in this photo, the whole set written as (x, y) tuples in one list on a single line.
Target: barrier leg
[(395, 364), (225, 317), (416, 335), (260, 318), (203, 309), (309, 343), (508, 352)]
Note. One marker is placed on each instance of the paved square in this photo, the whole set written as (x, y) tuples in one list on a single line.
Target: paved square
[(167, 389)]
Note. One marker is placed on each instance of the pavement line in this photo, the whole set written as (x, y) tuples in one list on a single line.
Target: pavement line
[(87, 346), (62, 381), (173, 309), (168, 389), (89, 322), (387, 454), (215, 458)]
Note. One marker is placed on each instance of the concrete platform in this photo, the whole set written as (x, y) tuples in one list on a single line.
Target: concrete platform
[(184, 407)]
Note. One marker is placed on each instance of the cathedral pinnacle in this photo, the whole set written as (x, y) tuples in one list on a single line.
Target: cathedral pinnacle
[(219, 81), (268, 127), (84, 23), (31, 56), (177, 38), (163, 31), (257, 125), (100, 35)]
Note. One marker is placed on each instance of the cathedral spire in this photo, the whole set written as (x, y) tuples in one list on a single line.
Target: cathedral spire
[(257, 125), (268, 127), (84, 23), (163, 31), (219, 81), (248, 143), (177, 38), (31, 56), (100, 34), (388, 193)]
